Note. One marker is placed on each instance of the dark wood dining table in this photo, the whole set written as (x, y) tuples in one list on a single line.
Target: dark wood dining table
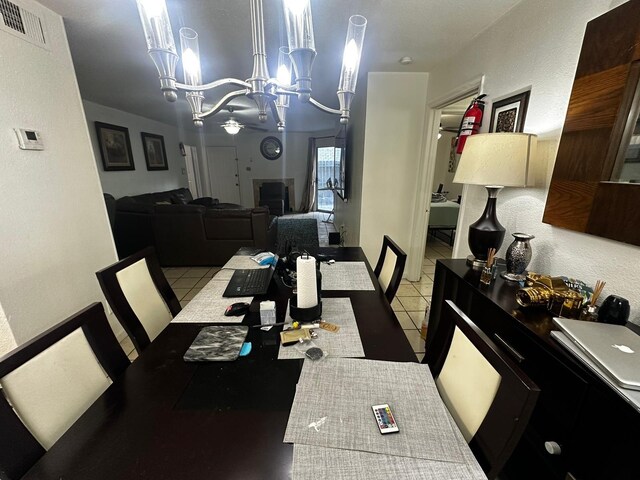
[(169, 419)]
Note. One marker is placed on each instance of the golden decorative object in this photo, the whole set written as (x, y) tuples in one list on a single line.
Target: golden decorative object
[(552, 293)]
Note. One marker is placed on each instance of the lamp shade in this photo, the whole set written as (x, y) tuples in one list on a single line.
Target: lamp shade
[(504, 159)]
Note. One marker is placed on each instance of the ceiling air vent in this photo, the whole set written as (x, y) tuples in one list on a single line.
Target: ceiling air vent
[(22, 23)]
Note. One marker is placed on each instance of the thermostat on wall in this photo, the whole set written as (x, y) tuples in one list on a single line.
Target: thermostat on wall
[(29, 139)]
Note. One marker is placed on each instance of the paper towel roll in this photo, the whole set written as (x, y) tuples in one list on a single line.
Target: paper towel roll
[(307, 288)]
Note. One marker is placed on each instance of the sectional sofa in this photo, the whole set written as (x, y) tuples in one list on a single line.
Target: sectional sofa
[(187, 231)]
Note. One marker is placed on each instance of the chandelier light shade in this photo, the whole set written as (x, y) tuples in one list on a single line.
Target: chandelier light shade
[(293, 78), (190, 56), (495, 160), (352, 51)]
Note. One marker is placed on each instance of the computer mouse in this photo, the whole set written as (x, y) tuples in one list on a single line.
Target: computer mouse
[(236, 309)]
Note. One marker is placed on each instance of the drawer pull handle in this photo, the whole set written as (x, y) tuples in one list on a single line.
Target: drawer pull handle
[(514, 353), (552, 448)]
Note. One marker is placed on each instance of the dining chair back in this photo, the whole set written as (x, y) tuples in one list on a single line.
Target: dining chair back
[(390, 267), (47, 383), (140, 296), (489, 397)]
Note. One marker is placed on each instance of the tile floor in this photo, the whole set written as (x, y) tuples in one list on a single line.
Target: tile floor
[(409, 305), (413, 298)]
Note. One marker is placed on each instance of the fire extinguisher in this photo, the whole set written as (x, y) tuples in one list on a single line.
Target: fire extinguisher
[(471, 121)]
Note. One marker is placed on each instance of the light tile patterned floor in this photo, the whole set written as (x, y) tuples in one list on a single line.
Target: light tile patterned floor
[(409, 305), (412, 298)]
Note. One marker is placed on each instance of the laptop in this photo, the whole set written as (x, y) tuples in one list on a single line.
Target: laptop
[(614, 348), (247, 283)]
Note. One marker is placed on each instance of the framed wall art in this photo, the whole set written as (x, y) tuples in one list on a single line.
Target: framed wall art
[(508, 115), (154, 152), (115, 147)]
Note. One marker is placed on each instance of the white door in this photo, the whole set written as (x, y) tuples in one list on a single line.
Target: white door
[(193, 177), (223, 174)]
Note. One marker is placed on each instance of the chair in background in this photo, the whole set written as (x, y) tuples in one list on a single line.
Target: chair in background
[(140, 296), (488, 396), (390, 267), (274, 195), (50, 381)]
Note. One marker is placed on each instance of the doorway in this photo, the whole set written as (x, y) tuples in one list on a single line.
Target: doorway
[(422, 265), (445, 195), (223, 174)]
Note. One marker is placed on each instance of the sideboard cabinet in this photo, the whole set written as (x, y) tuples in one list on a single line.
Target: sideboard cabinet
[(581, 428)]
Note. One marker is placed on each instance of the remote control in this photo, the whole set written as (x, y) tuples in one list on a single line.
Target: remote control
[(384, 417)]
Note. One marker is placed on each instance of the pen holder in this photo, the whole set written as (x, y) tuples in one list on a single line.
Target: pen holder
[(304, 314)]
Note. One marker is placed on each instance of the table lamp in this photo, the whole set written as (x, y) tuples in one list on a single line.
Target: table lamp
[(495, 160)]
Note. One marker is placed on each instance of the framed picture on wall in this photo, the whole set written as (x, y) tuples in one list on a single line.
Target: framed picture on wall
[(154, 152), (508, 115), (115, 147)]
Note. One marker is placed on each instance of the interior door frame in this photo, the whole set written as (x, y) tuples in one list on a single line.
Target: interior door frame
[(193, 169), (426, 172)]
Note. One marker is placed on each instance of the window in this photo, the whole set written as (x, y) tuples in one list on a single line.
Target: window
[(324, 178)]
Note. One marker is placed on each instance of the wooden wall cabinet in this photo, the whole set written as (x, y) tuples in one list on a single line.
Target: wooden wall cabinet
[(598, 433)]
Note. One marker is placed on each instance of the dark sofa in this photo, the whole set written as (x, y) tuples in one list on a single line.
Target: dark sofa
[(187, 232)]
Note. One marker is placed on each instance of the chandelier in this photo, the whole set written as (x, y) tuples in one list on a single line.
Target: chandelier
[(265, 91)]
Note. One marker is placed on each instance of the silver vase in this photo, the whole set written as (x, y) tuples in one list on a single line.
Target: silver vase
[(518, 257)]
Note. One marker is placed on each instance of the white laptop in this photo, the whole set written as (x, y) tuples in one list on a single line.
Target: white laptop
[(614, 348)]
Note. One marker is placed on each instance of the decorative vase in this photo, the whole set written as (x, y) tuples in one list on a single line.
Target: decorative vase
[(486, 232), (518, 257)]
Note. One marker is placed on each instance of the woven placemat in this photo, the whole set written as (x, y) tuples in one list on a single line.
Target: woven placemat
[(344, 343), (208, 305), (332, 408), (311, 462), (346, 276), (242, 262)]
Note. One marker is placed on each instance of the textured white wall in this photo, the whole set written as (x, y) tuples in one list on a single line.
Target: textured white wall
[(7, 341), (140, 180), (396, 104), (291, 164), (537, 45), (54, 229)]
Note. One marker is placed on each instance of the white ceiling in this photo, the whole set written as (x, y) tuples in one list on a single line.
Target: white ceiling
[(113, 68)]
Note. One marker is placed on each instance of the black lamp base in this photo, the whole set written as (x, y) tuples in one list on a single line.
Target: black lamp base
[(486, 232)]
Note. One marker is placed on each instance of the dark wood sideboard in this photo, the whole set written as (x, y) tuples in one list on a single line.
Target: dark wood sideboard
[(595, 432)]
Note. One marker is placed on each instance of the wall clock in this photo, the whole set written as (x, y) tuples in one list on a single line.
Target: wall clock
[(271, 148)]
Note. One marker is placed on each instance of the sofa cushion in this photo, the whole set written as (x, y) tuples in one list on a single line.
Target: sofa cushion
[(228, 224), (133, 206), (175, 209)]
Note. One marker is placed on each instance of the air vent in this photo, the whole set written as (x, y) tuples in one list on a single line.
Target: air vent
[(22, 23)]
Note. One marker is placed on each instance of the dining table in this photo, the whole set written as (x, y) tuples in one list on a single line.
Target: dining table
[(166, 418)]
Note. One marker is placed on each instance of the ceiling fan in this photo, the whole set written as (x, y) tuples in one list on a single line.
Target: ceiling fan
[(232, 126)]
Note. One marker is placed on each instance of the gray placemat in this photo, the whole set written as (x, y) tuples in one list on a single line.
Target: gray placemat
[(208, 305), (311, 463), (242, 262), (216, 344), (346, 276), (332, 408), (344, 343)]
